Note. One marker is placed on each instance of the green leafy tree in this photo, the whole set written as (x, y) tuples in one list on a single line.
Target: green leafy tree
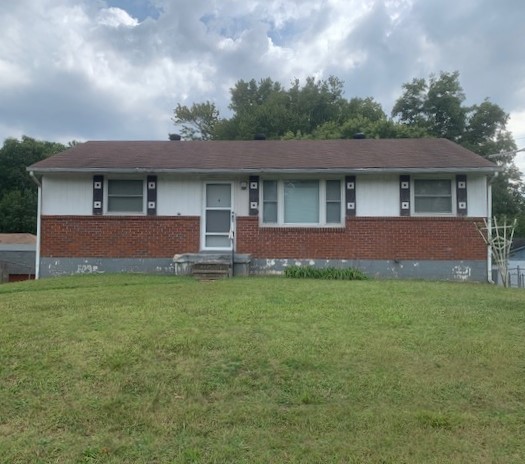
[(197, 122), (259, 107), (443, 106), (267, 107), (18, 211), (435, 105), (362, 107), (18, 193), (315, 103)]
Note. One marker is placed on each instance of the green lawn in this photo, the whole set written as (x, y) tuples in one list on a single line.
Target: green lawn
[(271, 370)]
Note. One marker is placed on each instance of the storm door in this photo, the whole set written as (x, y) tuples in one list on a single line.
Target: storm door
[(218, 216)]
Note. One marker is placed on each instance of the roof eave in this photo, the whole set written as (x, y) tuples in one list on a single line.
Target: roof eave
[(370, 170)]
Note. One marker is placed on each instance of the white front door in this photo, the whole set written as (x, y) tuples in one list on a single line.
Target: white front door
[(218, 224)]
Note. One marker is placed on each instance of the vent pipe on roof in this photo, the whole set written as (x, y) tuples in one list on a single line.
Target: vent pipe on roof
[(259, 136), (174, 137), (359, 135)]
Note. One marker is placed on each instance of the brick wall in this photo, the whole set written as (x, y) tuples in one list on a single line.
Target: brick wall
[(407, 238), (404, 238), (119, 237)]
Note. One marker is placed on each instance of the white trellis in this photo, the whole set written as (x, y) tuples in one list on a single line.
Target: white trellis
[(499, 238)]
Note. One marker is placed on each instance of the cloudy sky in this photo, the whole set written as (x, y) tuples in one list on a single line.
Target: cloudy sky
[(115, 69)]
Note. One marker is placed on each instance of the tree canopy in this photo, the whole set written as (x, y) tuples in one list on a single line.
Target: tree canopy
[(18, 199)]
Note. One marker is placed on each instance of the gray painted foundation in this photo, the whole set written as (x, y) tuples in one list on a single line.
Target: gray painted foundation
[(178, 265), (475, 271), (52, 267)]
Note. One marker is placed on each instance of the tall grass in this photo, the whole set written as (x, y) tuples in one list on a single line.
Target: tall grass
[(160, 369), (327, 273)]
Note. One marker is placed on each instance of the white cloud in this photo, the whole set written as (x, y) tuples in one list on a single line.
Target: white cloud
[(108, 69), (13, 75), (116, 17)]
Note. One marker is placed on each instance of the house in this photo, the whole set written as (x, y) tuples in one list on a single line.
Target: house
[(516, 263), (17, 257), (403, 208), (517, 251)]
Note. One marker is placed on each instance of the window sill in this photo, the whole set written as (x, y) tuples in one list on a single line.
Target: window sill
[(301, 226), (128, 213), (453, 214)]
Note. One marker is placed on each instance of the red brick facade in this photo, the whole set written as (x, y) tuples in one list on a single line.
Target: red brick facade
[(406, 238), (119, 237)]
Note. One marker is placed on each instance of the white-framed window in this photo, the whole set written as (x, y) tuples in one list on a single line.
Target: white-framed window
[(302, 202), (125, 196), (433, 196)]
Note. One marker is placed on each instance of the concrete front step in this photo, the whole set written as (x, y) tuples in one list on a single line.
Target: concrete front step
[(198, 263), (210, 270)]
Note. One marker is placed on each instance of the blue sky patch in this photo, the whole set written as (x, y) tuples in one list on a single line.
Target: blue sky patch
[(139, 9)]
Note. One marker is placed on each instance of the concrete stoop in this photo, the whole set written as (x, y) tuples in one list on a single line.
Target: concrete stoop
[(211, 266)]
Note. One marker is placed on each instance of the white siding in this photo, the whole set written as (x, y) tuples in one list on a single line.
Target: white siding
[(377, 195), (184, 197), (67, 195), (179, 197), (241, 199)]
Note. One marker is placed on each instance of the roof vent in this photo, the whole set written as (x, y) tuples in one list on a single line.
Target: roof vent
[(259, 136), (174, 137), (359, 135)]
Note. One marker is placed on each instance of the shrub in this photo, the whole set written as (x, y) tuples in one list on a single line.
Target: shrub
[(331, 273)]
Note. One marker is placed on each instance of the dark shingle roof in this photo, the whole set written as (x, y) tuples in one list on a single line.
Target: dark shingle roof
[(267, 155)]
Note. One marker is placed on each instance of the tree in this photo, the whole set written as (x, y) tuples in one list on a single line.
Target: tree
[(262, 107), (267, 107), (366, 107), (485, 131), (436, 105), (315, 103), (18, 211), (443, 106), (198, 122), (18, 198)]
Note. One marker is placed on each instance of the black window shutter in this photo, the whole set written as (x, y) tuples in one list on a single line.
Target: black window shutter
[(461, 194), (253, 187), (98, 195), (151, 188), (350, 184), (404, 195)]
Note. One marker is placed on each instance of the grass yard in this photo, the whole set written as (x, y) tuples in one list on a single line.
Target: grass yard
[(143, 369)]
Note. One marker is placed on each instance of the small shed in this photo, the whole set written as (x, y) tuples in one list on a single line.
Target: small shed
[(17, 257)]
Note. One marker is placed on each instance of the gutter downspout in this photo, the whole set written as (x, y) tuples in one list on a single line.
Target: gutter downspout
[(38, 224), (489, 227)]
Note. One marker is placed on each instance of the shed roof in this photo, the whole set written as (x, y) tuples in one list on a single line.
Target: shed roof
[(18, 239), (265, 155)]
